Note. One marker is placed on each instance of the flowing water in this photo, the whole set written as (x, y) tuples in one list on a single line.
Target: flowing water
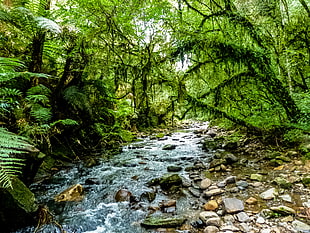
[(139, 163)]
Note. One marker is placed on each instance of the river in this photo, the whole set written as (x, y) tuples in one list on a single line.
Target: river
[(137, 164)]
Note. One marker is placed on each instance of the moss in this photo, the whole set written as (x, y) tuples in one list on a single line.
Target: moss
[(23, 197), (155, 222), (160, 135)]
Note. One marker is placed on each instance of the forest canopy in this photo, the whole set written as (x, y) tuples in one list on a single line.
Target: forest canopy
[(85, 73)]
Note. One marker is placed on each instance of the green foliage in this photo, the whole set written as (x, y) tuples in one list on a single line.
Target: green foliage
[(10, 166)]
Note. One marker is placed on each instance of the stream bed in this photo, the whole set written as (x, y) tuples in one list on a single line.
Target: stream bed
[(136, 165)]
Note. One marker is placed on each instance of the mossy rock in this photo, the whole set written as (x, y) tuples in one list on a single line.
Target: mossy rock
[(18, 207), (306, 181), (283, 158), (283, 183), (162, 222), (160, 135), (276, 162), (169, 180)]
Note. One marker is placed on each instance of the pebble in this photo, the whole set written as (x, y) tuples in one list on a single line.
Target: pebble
[(211, 205), (233, 205), (213, 192), (269, 194), (205, 183), (260, 220), (243, 217)]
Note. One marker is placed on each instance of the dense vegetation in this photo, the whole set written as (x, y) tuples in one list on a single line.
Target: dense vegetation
[(81, 74)]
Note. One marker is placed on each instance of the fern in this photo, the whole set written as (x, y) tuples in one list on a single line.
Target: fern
[(10, 145), (74, 96), (65, 122), (41, 114)]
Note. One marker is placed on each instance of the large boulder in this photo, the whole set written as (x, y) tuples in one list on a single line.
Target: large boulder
[(18, 207)]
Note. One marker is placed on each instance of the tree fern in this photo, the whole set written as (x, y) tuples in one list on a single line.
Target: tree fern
[(10, 145)]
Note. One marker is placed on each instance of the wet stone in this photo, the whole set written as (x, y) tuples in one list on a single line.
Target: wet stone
[(174, 168), (195, 192), (169, 147), (242, 184), (233, 205), (213, 192)]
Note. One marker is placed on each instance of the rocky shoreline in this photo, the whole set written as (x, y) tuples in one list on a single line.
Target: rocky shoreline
[(246, 187)]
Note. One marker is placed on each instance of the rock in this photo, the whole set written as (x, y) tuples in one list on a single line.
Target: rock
[(251, 201), (148, 196), (169, 180), (257, 177), (195, 192), (221, 184), (306, 181), (216, 221), (283, 158), (213, 192), (284, 210), (243, 217), (233, 205), (73, 193), (165, 222), (216, 162), (244, 227), (205, 215), (211, 205), (211, 145), (260, 220), (230, 228), (198, 224), (242, 184), (269, 194), (18, 207), (289, 218), (123, 195), (169, 147), (230, 145), (230, 180), (205, 183), (230, 159), (211, 229), (301, 226), (283, 183), (92, 181), (174, 168), (286, 198)]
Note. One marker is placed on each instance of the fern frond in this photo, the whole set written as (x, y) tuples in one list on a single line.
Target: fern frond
[(48, 25), (41, 114), (74, 96), (10, 145), (10, 64), (39, 90), (5, 92), (65, 122)]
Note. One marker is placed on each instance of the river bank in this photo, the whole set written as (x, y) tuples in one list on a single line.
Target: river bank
[(198, 179)]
